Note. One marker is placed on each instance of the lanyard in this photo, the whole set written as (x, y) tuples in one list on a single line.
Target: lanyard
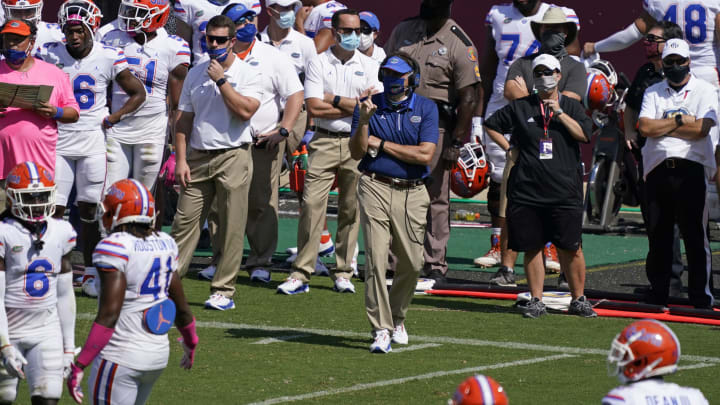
[(546, 120)]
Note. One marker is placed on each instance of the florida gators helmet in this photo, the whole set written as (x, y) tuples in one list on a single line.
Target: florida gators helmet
[(644, 349), (143, 15), (23, 9), (30, 191), (127, 201), (471, 173), (479, 390), (80, 12), (601, 82)]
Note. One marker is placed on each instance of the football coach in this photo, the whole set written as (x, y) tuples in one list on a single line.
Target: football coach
[(395, 134)]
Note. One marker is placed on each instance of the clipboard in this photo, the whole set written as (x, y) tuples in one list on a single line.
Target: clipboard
[(24, 96)]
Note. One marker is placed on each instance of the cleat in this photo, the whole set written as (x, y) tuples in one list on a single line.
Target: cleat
[(492, 257), (552, 265)]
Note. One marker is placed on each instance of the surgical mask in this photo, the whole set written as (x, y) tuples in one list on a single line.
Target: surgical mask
[(545, 84), (14, 56), (394, 86), (675, 73), (286, 20), (366, 41), (219, 54), (246, 33), (349, 42), (553, 43)]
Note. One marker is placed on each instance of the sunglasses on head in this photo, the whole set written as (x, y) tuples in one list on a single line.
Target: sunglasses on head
[(545, 72), (654, 38), (348, 30), (675, 61), (219, 40)]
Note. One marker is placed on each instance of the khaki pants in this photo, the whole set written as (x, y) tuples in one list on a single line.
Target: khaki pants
[(398, 215), (328, 155), (437, 233), (227, 176), (510, 160)]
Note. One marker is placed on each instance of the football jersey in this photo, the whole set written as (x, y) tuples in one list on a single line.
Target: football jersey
[(47, 33), (31, 274), (514, 38), (90, 77), (321, 17), (654, 391), (196, 14), (148, 265)]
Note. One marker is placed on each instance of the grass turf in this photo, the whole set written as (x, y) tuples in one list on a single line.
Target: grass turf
[(323, 338)]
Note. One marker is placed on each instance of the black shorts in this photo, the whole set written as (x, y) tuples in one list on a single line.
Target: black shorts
[(530, 227), (493, 197)]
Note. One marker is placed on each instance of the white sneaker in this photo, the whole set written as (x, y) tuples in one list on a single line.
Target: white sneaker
[(321, 269), (89, 283), (261, 275), (326, 249), (207, 273), (344, 285), (291, 250), (382, 342), (293, 286), (400, 335), (219, 302), (353, 263)]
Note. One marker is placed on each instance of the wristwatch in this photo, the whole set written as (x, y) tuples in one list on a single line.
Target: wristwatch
[(283, 132), (220, 82), (678, 120), (559, 112)]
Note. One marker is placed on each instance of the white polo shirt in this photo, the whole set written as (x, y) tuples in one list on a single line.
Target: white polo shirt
[(699, 99), (378, 54), (214, 126), (299, 48), (279, 82), (327, 74)]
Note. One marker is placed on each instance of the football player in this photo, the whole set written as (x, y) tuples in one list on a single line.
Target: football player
[(315, 21), (135, 145), (31, 10), (81, 159), (640, 356), (37, 301), (140, 296), (479, 390)]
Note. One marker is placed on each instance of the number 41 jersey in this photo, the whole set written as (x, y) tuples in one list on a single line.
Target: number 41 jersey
[(148, 265)]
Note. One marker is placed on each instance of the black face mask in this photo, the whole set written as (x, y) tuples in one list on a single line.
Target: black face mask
[(553, 43), (526, 9), (675, 73), (431, 13)]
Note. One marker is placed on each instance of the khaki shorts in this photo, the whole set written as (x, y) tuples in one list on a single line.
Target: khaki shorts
[(509, 163)]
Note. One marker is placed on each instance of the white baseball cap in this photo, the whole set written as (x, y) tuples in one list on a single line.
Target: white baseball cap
[(284, 3), (548, 61), (676, 46)]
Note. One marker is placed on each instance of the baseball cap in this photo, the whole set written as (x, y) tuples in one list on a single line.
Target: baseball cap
[(371, 19), (397, 64), (16, 27), (238, 11), (283, 3), (548, 61), (676, 46)]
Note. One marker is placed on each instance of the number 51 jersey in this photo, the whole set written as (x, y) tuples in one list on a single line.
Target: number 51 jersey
[(148, 265)]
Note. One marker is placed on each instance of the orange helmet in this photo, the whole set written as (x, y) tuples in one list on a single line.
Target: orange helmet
[(644, 349), (601, 82), (80, 11), (127, 201), (471, 173), (30, 192), (479, 390), (23, 9), (143, 15)]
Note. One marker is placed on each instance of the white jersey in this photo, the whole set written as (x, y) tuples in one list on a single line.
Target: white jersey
[(321, 17), (196, 14), (697, 20), (148, 265), (90, 78), (299, 48), (654, 391), (514, 39), (47, 33)]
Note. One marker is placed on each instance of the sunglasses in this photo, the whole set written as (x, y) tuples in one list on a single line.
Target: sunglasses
[(654, 38), (242, 20), (366, 30), (347, 30), (546, 72), (219, 40), (676, 62)]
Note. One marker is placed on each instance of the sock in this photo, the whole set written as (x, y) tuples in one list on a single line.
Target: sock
[(510, 269), (496, 231)]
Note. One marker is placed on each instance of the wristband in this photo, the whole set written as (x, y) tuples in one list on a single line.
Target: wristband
[(336, 101), (58, 113), (107, 123), (382, 145), (221, 81), (98, 338)]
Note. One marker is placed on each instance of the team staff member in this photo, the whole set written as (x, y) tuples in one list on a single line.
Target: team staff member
[(218, 99), (545, 187), (676, 117), (450, 77), (395, 134), (370, 30), (332, 84)]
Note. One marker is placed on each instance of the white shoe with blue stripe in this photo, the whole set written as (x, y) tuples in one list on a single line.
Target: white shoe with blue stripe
[(381, 344), (219, 302), (260, 275), (293, 286)]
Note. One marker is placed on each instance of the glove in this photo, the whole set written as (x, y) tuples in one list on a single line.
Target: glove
[(189, 356), (74, 383), (68, 358), (307, 137), (13, 361), (168, 170)]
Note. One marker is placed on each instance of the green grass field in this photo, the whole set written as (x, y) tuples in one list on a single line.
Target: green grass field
[(313, 348)]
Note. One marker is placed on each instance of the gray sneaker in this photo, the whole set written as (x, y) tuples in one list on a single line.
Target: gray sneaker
[(534, 309), (504, 277), (582, 307)]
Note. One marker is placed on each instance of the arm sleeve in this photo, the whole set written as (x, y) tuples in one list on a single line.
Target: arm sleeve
[(314, 85), (185, 103), (619, 40), (430, 123), (501, 120), (66, 310), (250, 85), (110, 255), (709, 108)]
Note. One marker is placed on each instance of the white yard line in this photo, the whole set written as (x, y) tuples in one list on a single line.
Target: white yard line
[(396, 381), (415, 347), (695, 366), (278, 339)]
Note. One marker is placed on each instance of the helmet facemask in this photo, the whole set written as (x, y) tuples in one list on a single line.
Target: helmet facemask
[(24, 10), (32, 204), (137, 18)]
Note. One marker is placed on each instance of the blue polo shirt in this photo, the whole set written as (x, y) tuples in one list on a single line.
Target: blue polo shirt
[(415, 122)]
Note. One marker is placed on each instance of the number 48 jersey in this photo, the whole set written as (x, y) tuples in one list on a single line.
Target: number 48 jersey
[(148, 265)]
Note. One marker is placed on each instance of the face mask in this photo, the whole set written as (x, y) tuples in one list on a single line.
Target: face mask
[(366, 41), (349, 42), (652, 49), (219, 54), (394, 86), (246, 33), (553, 43), (15, 57), (675, 73), (286, 20), (544, 84), (526, 9)]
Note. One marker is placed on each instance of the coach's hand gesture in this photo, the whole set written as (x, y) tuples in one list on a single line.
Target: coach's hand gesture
[(367, 109)]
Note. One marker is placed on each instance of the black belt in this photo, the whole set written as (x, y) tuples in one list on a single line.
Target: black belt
[(223, 150), (395, 182), (331, 133), (678, 163)]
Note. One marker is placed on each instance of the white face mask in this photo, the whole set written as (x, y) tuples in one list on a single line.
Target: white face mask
[(545, 83), (366, 41)]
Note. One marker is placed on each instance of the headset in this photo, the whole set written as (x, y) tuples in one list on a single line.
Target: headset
[(414, 79)]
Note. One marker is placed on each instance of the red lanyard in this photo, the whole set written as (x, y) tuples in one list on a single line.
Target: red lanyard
[(546, 120)]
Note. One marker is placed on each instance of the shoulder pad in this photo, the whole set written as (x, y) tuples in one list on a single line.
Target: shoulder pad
[(458, 33)]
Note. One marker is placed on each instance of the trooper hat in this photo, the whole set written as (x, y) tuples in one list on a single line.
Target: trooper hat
[(555, 16)]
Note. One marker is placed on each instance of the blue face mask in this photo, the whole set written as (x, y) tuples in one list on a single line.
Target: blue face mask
[(286, 20), (394, 86), (219, 54), (14, 57), (246, 33), (349, 42)]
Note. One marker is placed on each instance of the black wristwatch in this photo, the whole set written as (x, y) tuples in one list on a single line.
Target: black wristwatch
[(678, 120), (220, 81), (283, 132)]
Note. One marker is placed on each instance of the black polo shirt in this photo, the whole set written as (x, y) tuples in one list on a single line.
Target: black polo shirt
[(543, 182)]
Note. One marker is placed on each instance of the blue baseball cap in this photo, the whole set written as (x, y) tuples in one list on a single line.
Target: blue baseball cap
[(371, 19), (397, 64), (238, 11)]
